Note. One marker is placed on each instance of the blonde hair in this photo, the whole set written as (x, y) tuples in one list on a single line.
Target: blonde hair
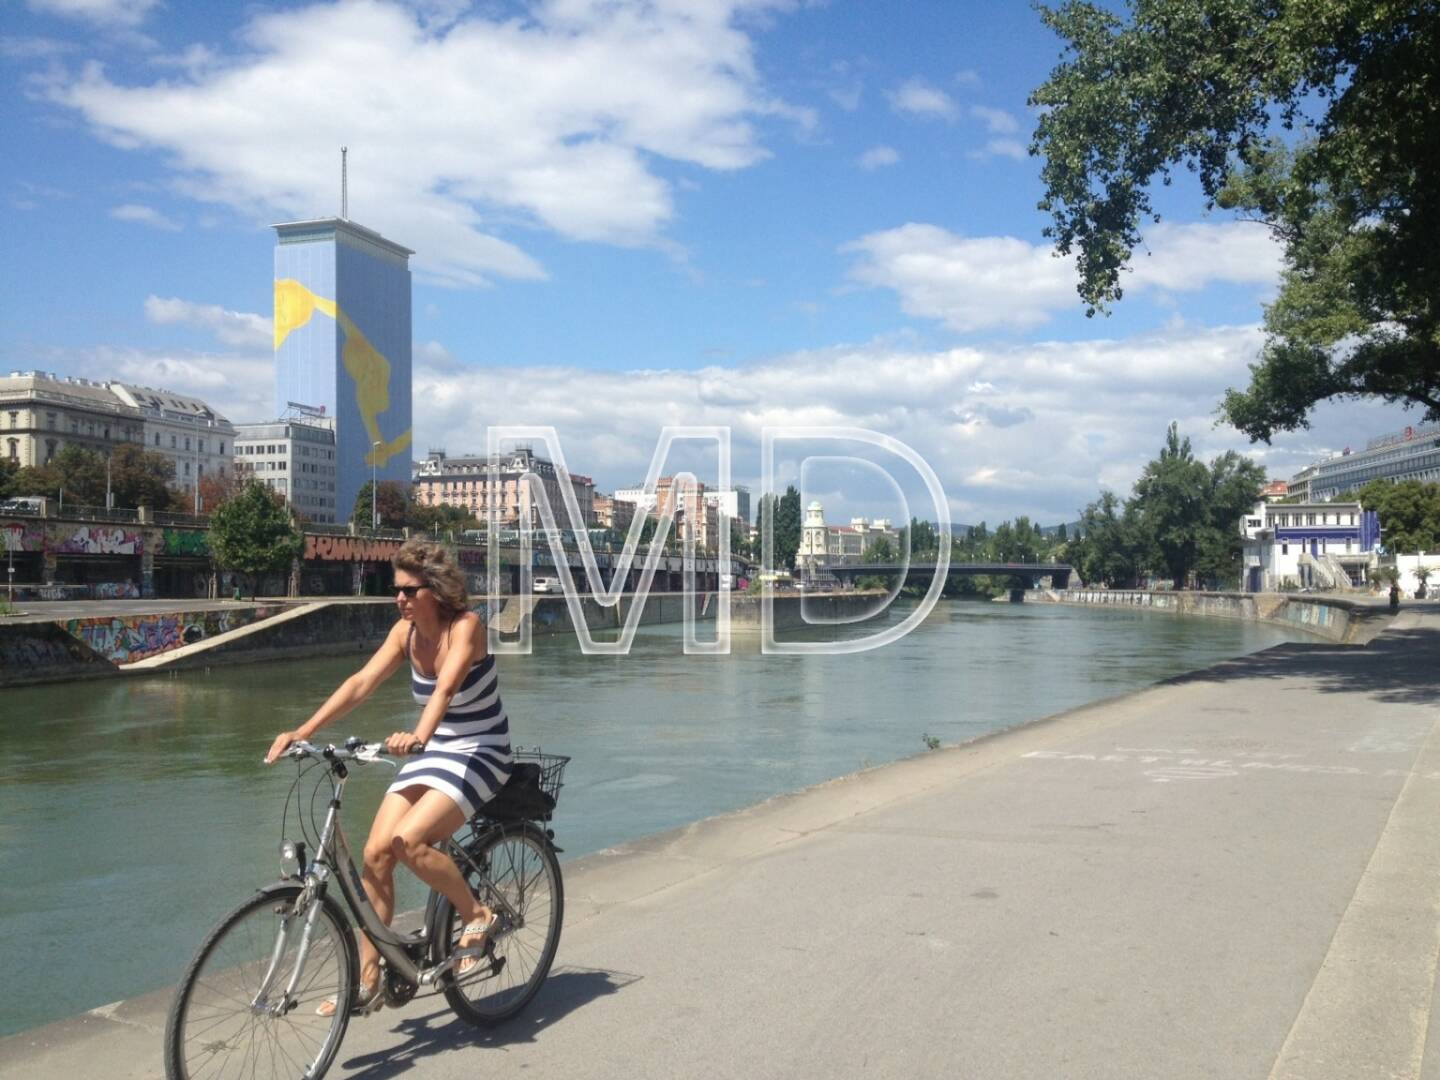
[(434, 564)]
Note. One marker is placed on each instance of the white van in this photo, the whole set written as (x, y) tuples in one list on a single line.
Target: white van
[(546, 585)]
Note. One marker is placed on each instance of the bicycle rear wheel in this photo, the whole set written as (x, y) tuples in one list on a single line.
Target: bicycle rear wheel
[(231, 1015), (515, 873)]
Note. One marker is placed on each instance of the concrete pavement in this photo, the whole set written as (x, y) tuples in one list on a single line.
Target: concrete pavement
[(1235, 874)]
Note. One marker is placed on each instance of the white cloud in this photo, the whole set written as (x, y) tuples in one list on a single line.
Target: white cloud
[(996, 121), (105, 12), (878, 157), (1187, 257), (1030, 429), (229, 327), (239, 385), (1010, 148), (144, 215), (460, 126), (922, 99), (979, 283), (1033, 429)]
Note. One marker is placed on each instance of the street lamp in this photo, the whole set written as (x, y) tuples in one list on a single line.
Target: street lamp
[(109, 499), (374, 464)]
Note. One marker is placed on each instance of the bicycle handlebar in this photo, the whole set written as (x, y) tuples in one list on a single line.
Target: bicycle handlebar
[(352, 750)]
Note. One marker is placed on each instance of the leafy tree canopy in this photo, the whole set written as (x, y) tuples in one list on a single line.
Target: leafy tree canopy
[(787, 527), (254, 533), (1318, 119), (1409, 514), (392, 505), (138, 477)]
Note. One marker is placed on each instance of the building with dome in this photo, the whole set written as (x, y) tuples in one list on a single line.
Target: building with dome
[(823, 545)]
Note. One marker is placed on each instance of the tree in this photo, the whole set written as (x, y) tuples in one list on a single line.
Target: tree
[(1316, 119), (392, 505), (1234, 486), (215, 488), (1409, 513), (787, 527), (253, 533), (138, 477), (439, 518), (8, 471), (1108, 550), (879, 552), (1170, 497)]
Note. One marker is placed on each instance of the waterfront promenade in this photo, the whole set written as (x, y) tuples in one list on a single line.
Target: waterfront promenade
[(1234, 874)]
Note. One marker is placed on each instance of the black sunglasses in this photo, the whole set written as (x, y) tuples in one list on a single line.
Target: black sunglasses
[(410, 591)]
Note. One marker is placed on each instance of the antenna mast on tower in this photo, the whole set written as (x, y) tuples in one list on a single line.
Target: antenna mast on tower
[(344, 185)]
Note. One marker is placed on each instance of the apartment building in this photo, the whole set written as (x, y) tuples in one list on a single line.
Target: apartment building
[(295, 458), (472, 483)]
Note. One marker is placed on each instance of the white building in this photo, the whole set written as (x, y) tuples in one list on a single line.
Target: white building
[(197, 440), (824, 545), (734, 504), (470, 482), (1315, 544), (1410, 454), (41, 413), (296, 459)]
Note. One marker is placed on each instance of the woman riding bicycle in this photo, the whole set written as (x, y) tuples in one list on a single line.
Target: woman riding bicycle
[(463, 733)]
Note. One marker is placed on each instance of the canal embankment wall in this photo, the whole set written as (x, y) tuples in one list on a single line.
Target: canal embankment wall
[(1330, 617), (39, 652)]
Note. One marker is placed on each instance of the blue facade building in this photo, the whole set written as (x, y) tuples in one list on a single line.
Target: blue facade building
[(342, 344)]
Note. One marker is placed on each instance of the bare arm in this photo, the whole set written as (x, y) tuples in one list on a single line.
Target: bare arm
[(388, 657)]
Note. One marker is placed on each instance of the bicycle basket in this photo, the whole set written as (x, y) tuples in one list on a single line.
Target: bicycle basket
[(532, 790)]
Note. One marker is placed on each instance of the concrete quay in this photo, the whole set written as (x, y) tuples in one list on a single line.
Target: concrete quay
[(1233, 874)]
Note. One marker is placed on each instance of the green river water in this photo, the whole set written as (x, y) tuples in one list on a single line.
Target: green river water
[(134, 812)]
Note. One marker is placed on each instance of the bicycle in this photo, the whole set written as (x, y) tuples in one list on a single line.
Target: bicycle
[(250, 998)]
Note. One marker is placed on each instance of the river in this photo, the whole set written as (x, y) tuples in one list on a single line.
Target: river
[(134, 812)]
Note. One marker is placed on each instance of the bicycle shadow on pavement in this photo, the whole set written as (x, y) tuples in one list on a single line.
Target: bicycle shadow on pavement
[(1402, 665), (440, 1032)]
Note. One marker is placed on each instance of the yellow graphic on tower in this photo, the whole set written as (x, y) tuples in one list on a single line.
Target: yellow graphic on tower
[(295, 305)]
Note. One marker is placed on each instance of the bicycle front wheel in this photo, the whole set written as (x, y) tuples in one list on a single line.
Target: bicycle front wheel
[(235, 1012), (515, 873)]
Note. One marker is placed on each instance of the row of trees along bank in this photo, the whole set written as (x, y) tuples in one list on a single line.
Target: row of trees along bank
[(1181, 524)]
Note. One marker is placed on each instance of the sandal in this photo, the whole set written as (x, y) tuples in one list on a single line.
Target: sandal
[(472, 954), (368, 1000)]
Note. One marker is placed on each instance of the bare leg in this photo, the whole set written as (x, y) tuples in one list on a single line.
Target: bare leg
[(434, 817), (379, 875), (379, 881)]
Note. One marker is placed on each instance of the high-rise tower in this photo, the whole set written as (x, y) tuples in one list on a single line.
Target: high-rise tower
[(342, 343)]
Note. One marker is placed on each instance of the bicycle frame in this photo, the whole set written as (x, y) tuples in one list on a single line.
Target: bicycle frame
[(334, 859)]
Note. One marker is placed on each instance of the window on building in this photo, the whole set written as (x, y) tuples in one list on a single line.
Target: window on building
[(187, 468), (1284, 549), (222, 446), (50, 420), (14, 419), (14, 449), (172, 442), (157, 438), (201, 446)]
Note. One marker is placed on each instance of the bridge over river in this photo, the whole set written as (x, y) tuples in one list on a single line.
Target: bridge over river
[(1058, 573)]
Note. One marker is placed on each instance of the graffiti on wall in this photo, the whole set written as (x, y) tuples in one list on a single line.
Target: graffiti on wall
[(126, 640), (101, 540), (21, 536), (349, 549), (186, 542)]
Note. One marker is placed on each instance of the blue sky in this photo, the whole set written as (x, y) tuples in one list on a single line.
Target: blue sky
[(731, 212)]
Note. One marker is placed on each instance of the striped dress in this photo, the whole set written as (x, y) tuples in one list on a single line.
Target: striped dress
[(468, 757)]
